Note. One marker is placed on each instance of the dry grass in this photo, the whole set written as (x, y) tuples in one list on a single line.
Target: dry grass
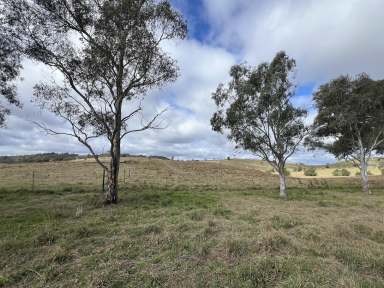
[(227, 174), (193, 231), (136, 171)]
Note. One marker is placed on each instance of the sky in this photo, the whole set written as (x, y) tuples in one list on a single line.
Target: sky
[(326, 38)]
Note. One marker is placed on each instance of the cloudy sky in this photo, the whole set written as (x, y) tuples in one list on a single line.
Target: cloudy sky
[(327, 38)]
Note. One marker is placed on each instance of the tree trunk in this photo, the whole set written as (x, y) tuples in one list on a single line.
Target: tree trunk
[(283, 191), (364, 176), (111, 196)]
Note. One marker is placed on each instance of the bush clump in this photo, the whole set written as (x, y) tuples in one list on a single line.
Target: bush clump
[(310, 172), (299, 168), (341, 172)]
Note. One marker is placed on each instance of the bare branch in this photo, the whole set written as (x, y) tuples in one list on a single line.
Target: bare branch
[(149, 125)]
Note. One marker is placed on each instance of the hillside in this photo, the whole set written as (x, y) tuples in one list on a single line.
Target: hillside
[(229, 174)]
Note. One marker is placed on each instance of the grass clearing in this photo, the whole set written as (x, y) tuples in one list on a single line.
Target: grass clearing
[(193, 236)]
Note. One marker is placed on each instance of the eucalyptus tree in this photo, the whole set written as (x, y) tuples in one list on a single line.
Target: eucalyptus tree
[(350, 122), (256, 111), (9, 71), (110, 53)]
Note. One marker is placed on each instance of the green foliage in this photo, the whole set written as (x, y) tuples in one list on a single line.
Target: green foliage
[(9, 71), (341, 172), (350, 110), (310, 171), (254, 97), (3, 281)]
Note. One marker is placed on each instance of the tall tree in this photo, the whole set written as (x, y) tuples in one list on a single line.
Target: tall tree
[(350, 122), (256, 110), (109, 53), (9, 71)]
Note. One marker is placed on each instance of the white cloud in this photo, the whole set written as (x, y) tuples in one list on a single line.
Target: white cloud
[(326, 37)]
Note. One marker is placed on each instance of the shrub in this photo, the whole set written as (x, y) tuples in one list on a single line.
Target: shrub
[(300, 168), (336, 172), (382, 172), (341, 172), (345, 172), (310, 172), (287, 172)]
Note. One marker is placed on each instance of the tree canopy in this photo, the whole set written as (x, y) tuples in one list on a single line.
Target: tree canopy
[(350, 122)]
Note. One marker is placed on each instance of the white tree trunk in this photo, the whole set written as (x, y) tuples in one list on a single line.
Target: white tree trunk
[(283, 191), (364, 176)]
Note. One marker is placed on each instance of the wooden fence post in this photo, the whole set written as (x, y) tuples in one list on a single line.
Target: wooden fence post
[(33, 181), (103, 188)]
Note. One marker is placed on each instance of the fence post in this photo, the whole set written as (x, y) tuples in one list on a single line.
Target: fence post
[(33, 181), (103, 188)]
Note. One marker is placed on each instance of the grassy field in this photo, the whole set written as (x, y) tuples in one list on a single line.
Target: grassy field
[(187, 224)]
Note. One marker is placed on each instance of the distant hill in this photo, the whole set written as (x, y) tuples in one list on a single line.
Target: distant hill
[(51, 157), (42, 157)]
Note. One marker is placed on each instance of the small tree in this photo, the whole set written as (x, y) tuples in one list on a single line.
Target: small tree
[(109, 54), (257, 111), (350, 122), (9, 70)]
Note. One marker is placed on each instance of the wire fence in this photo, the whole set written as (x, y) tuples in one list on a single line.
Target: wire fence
[(37, 176)]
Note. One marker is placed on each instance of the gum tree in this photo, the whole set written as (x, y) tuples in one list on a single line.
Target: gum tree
[(350, 122), (109, 53), (256, 111)]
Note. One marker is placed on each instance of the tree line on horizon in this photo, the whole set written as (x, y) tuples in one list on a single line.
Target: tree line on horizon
[(110, 55)]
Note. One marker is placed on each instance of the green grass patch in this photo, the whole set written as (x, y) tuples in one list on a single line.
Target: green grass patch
[(192, 237)]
